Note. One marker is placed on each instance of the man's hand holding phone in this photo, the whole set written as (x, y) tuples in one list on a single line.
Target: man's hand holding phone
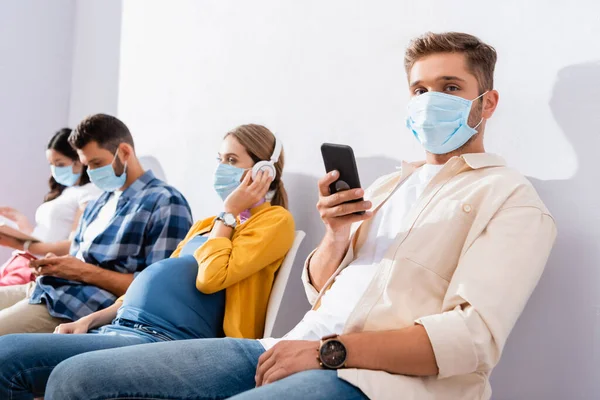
[(338, 211), (340, 205)]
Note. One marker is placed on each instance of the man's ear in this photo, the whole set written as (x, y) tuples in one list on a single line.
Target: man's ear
[(125, 152), (490, 102)]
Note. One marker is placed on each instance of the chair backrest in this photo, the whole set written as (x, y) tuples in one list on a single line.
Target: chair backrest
[(151, 162), (280, 283)]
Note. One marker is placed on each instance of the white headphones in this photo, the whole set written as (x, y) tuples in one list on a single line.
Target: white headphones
[(268, 166)]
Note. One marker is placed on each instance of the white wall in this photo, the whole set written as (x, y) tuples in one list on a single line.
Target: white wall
[(317, 71), (96, 47), (60, 62), (35, 82)]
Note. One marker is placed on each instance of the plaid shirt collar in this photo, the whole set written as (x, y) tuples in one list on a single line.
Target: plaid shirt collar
[(138, 185)]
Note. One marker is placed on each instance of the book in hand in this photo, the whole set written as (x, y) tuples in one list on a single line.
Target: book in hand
[(10, 228)]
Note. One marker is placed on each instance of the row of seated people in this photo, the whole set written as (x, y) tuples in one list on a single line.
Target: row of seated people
[(414, 289)]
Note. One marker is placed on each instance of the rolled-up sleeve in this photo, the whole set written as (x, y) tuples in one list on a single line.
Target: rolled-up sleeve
[(311, 293), (489, 289)]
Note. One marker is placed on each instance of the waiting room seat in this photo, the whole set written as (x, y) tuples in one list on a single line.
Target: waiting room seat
[(151, 162), (280, 284)]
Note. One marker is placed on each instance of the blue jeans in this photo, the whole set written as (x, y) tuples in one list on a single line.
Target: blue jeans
[(187, 369), (26, 360)]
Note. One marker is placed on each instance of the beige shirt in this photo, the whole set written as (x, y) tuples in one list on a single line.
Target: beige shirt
[(463, 265)]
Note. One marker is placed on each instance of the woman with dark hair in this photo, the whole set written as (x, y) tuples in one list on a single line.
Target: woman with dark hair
[(56, 218)]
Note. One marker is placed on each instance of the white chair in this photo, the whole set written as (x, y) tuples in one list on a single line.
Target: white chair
[(280, 283), (151, 162)]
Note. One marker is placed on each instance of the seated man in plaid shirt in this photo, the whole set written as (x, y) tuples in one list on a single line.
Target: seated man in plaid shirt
[(137, 221)]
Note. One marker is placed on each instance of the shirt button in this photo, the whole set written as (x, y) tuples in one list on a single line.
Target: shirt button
[(467, 208)]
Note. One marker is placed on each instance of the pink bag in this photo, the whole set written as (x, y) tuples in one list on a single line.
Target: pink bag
[(16, 270)]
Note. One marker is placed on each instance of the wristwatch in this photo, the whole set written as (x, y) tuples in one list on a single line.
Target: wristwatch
[(228, 219), (332, 353)]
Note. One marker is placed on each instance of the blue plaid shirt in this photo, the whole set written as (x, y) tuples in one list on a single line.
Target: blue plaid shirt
[(151, 219)]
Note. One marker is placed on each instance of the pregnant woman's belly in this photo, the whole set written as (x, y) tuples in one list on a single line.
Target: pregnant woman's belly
[(164, 297)]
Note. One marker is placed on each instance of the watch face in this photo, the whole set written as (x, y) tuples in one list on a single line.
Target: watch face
[(333, 354), (229, 219)]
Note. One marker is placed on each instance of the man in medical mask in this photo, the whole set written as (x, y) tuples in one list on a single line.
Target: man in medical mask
[(137, 221), (414, 299)]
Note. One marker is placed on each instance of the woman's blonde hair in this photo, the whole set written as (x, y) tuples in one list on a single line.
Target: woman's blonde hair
[(259, 142)]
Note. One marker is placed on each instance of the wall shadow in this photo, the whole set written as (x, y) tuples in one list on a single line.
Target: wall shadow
[(553, 351), (303, 194)]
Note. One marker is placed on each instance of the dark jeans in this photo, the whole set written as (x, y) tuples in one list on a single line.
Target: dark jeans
[(186, 369)]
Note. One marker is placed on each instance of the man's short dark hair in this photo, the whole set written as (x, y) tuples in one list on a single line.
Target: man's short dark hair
[(108, 131)]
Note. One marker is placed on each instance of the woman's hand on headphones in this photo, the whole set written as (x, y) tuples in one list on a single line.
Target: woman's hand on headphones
[(248, 193)]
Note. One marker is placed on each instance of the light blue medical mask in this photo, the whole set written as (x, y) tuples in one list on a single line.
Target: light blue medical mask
[(105, 177), (439, 121), (227, 179), (64, 175)]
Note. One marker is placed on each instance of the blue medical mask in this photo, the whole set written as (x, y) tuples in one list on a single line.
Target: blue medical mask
[(105, 177), (64, 175), (439, 121), (227, 179)]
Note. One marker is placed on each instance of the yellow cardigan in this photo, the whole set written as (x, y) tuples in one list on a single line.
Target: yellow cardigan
[(244, 266)]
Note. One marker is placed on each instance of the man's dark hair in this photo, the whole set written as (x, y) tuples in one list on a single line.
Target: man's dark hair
[(108, 131), (481, 57)]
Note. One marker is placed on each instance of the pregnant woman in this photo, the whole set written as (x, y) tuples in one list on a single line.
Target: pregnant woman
[(216, 283)]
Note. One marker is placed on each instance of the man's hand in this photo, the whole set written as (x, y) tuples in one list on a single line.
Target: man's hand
[(335, 211), (287, 358), (77, 327), (338, 216), (37, 271), (66, 267)]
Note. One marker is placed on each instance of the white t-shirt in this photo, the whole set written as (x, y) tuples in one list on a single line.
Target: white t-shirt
[(343, 296), (99, 224), (54, 219)]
